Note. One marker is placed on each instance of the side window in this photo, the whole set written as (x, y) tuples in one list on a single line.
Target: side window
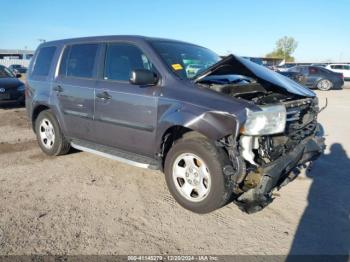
[(121, 59), (79, 60), (43, 61), (313, 70)]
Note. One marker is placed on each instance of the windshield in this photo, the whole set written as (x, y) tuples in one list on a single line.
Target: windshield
[(5, 73), (186, 60)]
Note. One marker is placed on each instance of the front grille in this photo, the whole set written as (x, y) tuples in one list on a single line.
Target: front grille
[(301, 123), (293, 114), (296, 109), (301, 118)]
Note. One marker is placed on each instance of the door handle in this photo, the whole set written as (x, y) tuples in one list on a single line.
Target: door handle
[(58, 89), (104, 95)]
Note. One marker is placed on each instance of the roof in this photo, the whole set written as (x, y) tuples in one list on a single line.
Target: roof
[(133, 38)]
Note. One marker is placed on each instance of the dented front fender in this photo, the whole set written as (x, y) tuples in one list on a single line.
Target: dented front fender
[(213, 124)]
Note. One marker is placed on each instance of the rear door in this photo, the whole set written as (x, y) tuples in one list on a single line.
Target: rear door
[(125, 114), (73, 89)]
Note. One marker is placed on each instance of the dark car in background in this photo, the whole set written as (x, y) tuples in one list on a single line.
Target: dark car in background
[(18, 69), (315, 77), (284, 68), (231, 130), (11, 89)]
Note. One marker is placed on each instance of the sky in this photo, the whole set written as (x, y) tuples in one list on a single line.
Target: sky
[(245, 27)]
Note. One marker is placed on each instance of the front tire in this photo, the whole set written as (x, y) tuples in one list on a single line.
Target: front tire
[(324, 85), (194, 174), (49, 135)]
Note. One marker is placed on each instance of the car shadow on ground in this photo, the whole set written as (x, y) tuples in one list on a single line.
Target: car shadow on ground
[(10, 105), (325, 225)]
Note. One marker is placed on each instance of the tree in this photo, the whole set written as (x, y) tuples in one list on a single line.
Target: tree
[(284, 49)]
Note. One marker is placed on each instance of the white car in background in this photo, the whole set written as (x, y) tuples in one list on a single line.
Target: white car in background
[(340, 68)]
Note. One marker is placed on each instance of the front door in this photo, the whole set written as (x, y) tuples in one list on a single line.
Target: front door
[(125, 114)]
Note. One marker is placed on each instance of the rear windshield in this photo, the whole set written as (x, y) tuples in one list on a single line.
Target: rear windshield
[(43, 61), (324, 70), (186, 60)]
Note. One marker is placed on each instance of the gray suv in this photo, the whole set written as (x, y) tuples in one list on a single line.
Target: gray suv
[(230, 131)]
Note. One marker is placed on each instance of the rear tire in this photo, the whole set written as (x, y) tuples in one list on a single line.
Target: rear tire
[(324, 85), (194, 174), (49, 135)]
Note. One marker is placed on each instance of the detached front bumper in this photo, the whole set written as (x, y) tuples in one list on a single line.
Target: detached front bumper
[(279, 173)]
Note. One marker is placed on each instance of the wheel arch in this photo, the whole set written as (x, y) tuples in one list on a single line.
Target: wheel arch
[(323, 78), (212, 125), (170, 136), (36, 111)]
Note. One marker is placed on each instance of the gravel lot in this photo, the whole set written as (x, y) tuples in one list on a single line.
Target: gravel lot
[(84, 204)]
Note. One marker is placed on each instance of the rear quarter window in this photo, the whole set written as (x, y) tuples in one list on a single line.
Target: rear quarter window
[(43, 61)]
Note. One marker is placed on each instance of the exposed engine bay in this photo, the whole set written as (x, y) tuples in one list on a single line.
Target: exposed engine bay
[(261, 163)]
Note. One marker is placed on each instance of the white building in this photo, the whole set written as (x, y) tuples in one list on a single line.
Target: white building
[(15, 56)]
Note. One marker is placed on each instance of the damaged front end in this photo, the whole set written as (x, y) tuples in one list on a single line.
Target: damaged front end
[(276, 141), (262, 163)]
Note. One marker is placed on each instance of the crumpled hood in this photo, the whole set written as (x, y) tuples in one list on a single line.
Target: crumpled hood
[(237, 65)]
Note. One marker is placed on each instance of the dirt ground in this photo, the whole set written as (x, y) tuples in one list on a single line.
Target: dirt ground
[(84, 204)]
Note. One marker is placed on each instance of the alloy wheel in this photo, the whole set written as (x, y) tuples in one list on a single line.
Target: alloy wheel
[(324, 85), (47, 133), (191, 177)]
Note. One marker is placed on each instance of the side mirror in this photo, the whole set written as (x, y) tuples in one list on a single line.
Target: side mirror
[(18, 75), (143, 77)]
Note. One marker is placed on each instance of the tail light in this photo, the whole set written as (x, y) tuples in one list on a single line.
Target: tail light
[(341, 75)]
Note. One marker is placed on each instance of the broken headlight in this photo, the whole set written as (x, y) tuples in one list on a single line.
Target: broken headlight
[(271, 120)]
